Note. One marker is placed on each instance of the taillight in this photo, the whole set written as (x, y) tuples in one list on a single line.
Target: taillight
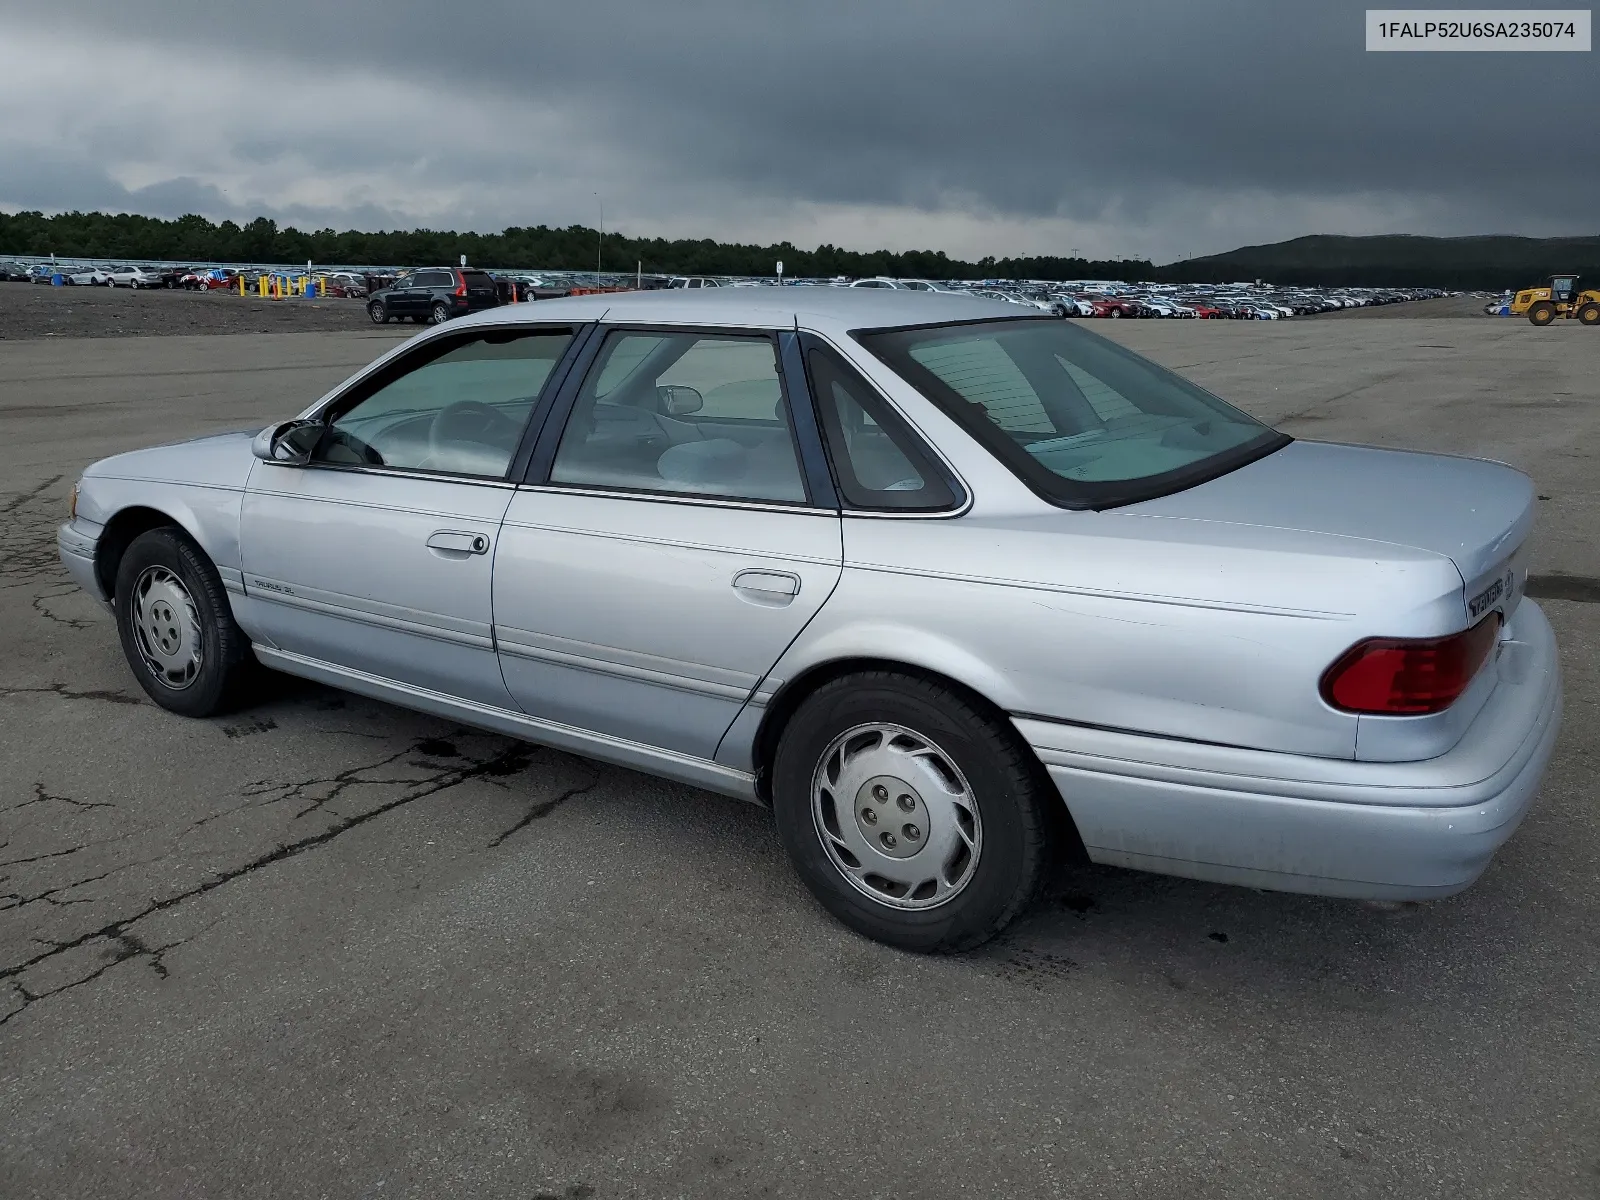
[(1409, 676), (461, 284)]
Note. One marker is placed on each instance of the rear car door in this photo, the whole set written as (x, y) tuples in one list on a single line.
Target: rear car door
[(677, 532), (376, 556)]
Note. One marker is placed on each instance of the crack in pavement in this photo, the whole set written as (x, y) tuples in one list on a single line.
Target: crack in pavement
[(118, 932), (27, 546), (40, 796), (124, 946), (67, 589), (67, 693), (21, 498), (543, 809)]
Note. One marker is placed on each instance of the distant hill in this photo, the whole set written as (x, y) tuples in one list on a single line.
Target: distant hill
[(1397, 260)]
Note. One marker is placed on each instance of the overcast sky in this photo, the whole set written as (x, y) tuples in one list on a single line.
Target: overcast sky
[(1152, 129)]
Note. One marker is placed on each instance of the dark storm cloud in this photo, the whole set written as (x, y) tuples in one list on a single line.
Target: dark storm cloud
[(1126, 113)]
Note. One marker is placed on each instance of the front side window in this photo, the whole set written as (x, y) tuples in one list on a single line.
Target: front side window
[(1082, 421), (460, 410), (686, 413)]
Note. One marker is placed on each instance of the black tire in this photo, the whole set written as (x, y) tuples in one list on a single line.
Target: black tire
[(378, 312), (439, 313), (1115, 312), (1542, 313), (1019, 819), (1589, 314), (225, 661)]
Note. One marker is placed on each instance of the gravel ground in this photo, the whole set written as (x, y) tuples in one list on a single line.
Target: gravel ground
[(35, 311), (326, 947)]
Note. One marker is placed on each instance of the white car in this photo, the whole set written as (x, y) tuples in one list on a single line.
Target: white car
[(134, 277), (86, 276), (1072, 306)]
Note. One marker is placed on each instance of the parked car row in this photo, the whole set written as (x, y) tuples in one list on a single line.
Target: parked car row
[(1130, 300), (439, 293)]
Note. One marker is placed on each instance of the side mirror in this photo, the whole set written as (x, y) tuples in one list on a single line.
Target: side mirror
[(678, 400), (289, 444)]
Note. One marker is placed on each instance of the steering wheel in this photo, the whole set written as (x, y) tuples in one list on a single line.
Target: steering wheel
[(470, 421)]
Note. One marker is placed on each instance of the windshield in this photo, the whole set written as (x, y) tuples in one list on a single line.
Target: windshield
[(1082, 421)]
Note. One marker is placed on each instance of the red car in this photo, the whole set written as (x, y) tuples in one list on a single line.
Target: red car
[(1111, 306), (1208, 311)]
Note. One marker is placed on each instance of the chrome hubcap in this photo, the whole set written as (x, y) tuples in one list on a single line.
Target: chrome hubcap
[(166, 625), (896, 816)]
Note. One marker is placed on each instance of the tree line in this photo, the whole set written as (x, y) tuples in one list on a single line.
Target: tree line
[(1488, 263), (1468, 263), (192, 238)]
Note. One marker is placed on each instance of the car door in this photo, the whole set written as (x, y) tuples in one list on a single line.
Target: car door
[(376, 556), (677, 533), (404, 299)]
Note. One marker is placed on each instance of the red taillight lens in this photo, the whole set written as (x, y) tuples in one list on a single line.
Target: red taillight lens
[(1408, 676), (461, 284)]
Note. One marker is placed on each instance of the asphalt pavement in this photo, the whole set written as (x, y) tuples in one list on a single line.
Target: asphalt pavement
[(326, 947)]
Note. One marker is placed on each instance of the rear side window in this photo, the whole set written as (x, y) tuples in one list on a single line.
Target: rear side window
[(878, 462), (683, 413), (1084, 422)]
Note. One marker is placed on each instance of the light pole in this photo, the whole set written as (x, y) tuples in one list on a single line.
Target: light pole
[(600, 240)]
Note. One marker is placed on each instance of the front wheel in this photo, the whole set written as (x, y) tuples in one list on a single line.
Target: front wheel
[(176, 626), (378, 313), (1589, 314), (439, 314), (915, 818)]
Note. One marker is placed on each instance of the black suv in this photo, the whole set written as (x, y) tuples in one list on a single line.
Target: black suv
[(434, 295)]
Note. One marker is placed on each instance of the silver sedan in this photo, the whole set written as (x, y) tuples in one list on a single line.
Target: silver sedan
[(956, 591)]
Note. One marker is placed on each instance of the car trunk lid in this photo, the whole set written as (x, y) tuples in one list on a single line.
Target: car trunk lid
[(1475, 512)]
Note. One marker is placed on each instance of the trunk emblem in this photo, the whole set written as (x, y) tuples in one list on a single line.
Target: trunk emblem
[(1501, 587)]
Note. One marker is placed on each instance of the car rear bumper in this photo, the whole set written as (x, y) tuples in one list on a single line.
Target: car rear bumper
[(1333, 827)]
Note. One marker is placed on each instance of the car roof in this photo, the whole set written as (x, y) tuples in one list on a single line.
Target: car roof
[(857, 308)]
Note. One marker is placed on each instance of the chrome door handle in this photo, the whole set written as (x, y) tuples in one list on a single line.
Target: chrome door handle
[(452, 543), (771, 588)]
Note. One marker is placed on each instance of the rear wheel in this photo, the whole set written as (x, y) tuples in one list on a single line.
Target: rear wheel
[(176, 627), (1589, 314), (378, 312), (915, 818), (440, 313), (1542, 313)]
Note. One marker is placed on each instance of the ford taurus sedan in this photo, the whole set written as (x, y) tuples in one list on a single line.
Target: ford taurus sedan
[(953, 590)]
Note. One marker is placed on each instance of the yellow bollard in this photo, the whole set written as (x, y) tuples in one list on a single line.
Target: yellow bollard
[(241, 283)]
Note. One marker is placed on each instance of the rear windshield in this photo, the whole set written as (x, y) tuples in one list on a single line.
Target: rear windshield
[(1082, 421)]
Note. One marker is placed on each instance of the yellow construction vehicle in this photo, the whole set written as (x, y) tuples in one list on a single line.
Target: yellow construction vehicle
[(1560, 296)]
